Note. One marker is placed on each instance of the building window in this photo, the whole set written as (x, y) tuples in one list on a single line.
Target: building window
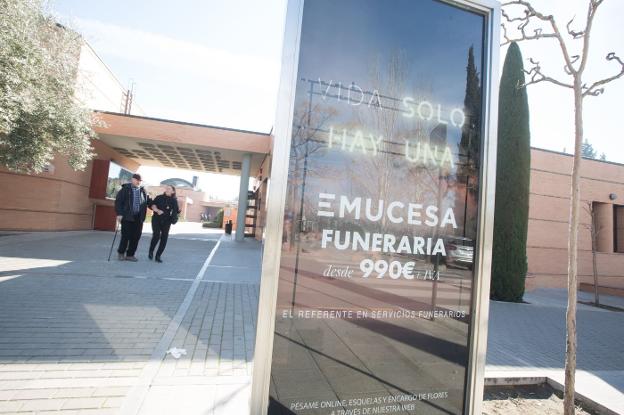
[(602, 230), (608, 227), (618, 228)]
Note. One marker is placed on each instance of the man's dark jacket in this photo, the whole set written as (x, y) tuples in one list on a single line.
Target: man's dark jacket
[(123, 203)]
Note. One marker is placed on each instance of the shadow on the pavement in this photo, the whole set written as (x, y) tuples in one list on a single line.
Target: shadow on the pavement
[(386, 297), (276, 408), (354, 369), (533, 336), (67, 303), (418, 339)]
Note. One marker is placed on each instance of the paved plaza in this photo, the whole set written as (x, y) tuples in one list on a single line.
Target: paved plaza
[(528, 340), (81, 335)]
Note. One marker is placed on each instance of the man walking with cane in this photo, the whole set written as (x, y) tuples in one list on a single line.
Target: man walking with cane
[(131, 206)]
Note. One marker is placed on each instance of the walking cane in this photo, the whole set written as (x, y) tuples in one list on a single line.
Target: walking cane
[(114, 238)]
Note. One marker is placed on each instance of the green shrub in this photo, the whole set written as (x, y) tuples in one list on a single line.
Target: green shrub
[(513, 173), (219, 219)]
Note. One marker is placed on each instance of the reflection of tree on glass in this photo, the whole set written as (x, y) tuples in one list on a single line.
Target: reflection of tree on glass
[(302, 137), (470, 145), (373, 191), (391, 79), (309, 119)]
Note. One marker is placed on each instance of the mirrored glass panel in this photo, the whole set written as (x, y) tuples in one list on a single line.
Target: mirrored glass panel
[(376, 278)]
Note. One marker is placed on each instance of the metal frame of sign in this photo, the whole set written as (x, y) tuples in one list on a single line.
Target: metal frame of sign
[(276, 200)]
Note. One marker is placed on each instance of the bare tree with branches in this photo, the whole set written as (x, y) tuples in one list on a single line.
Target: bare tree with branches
[(527, 23)]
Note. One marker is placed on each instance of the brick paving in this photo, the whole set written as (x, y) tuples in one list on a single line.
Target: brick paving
[(60, 334), (217, 333), (77, 332), (529, 340)]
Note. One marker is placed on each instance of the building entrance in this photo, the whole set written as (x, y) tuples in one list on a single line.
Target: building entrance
[(132, 337)]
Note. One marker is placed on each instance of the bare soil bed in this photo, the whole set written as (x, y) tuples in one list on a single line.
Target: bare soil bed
[(526, 400)]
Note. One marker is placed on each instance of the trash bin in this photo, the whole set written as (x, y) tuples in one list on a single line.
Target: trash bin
[(228, 227)]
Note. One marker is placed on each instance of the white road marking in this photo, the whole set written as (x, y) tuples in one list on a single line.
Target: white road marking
[(136, 396)]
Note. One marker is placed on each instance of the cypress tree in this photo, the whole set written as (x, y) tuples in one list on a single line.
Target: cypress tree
[(511, 217)]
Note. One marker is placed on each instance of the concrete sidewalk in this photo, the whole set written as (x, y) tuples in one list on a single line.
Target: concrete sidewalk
[(528, 340), (218, 333), (80, 335)]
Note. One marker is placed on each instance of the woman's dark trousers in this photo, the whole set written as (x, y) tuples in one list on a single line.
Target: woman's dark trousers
[(160, 231)]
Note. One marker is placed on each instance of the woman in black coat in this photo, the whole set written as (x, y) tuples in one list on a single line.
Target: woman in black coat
[(166, 210)]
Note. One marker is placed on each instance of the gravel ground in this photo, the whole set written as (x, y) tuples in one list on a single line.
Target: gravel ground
[(525, 400)]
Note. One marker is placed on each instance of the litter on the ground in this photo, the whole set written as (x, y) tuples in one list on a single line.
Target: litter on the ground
[(176, 353)]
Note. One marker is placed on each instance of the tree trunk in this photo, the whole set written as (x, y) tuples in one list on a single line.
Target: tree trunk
[(570, 361)]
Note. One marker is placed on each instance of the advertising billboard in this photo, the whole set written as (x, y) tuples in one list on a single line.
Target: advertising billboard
[(375, 290)]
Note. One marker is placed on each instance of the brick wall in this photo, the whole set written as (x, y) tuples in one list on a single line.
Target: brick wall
[(548, 220), (57, 200)]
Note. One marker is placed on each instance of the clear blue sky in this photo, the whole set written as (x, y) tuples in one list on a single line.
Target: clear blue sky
[(217, 62)]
